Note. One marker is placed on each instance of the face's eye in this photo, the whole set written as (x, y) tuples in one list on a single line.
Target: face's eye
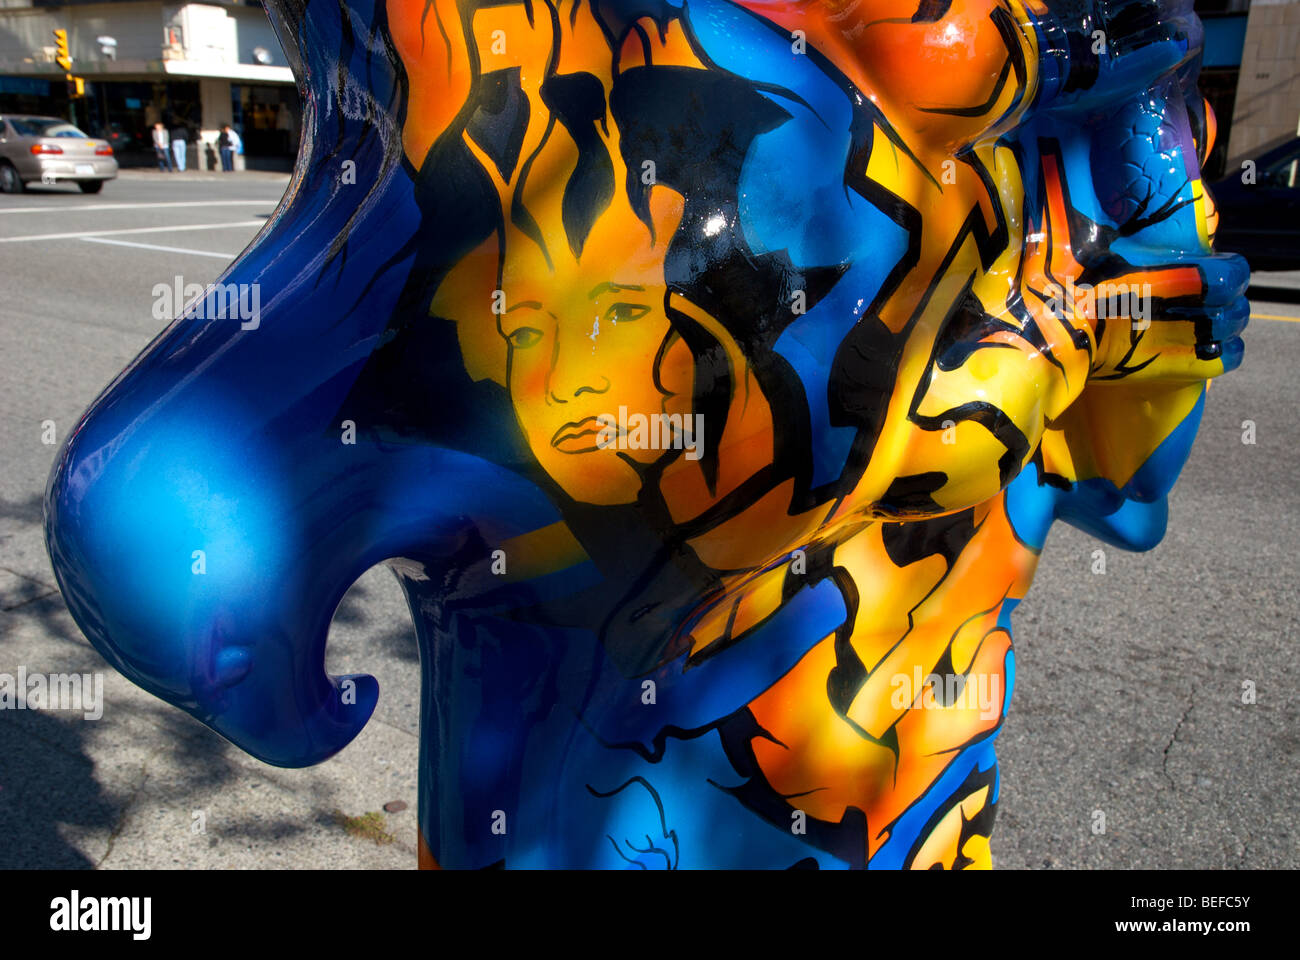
[(626, 312), (525, 337)]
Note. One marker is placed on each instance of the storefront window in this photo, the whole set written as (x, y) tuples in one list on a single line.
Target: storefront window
[(267, 118)]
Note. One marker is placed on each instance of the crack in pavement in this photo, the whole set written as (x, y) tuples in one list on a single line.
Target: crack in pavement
[(41, 584), (1173, 738), (50, 591), (126, 809)]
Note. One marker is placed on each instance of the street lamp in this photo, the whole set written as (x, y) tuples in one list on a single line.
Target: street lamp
[(108, 46)]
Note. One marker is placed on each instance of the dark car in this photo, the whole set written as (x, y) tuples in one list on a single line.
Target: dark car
[(1259, 209), (123, 140)]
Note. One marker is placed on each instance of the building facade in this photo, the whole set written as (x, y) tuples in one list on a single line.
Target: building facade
[(191, 65), (1267, 111), (219, 61)]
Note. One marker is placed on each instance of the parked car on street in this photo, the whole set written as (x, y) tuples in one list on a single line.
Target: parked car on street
[(51, 150), (1259, 209), (126, 141)]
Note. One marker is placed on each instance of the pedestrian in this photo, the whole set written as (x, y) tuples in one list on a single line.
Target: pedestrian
[(160, 147), (227, 143), (180, 143)]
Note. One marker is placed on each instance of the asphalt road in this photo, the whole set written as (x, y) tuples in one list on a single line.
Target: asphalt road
[(1129, 688)]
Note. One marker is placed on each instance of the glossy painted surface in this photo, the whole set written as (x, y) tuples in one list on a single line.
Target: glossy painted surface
[(910, 282)]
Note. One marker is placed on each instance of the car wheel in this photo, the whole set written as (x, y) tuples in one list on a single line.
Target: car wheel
[(10, 182), (91, 186)]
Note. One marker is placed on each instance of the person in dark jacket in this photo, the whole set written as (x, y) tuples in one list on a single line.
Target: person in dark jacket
[(226, 143), (180, 144)]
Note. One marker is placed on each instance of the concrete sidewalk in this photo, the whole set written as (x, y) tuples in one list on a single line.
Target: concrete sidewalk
[(147, 786), (201, 176)]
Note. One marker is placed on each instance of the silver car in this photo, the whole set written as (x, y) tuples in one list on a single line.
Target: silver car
[(50, 150)]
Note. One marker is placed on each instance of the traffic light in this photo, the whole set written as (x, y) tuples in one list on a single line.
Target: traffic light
[(61, 56), (78, 87)]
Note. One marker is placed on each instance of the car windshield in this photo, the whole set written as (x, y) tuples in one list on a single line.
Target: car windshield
[(1285, 173), (44, 127)]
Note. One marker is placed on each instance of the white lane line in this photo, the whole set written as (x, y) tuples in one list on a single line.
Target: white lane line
[(78, 234), (141, 206), (153, 246)]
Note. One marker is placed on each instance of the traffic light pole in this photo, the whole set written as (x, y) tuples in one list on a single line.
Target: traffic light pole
[(63, 57)]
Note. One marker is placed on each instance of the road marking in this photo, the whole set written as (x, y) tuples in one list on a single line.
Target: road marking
[(1274, 316), (142, 206), (153, 246), (79, 234)]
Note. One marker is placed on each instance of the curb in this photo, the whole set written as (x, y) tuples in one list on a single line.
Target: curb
[(201, 177)]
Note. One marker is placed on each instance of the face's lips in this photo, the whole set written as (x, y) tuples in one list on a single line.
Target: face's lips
[(578, 437)]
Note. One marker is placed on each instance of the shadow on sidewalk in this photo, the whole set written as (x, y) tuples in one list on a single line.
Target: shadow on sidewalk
[(47, 780)]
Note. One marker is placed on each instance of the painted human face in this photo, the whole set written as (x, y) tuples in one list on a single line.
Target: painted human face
[(583, 332), (587, 338)]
